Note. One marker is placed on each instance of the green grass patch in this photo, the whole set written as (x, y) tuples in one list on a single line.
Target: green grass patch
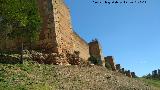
[(27, 76), (153, 82)]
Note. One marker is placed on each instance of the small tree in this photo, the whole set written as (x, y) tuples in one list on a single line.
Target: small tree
[(108, 66), (93, 60), (19, 19)]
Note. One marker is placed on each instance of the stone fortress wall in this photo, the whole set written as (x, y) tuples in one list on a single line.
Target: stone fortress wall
[(95, 49), (82, 46), (57, 34), (47, 34)]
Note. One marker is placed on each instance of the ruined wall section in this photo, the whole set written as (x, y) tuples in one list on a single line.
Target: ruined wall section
[(110, 60), (82, 46), (68, 41), (63, 27), (95, 49), (47, 35), (56, 34)]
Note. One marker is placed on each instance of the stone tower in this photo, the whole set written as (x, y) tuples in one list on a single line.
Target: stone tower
[(56, 33), (96, 50), (110, 60)]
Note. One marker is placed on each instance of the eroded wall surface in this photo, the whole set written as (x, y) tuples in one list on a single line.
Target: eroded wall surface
[(95, 49), (82, 46), (57, 34), (48, 33), (63, 29)]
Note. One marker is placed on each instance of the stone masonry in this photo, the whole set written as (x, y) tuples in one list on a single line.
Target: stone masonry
[(158, 71), (57, 40), (57, 34), (133, 74), (110, 60), (96, 50), (154, 73), (128, 73), (118, 67), (123, 71)]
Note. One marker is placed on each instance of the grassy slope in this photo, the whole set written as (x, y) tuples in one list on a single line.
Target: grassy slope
[(152, 82), (27, 77), (30, 76)]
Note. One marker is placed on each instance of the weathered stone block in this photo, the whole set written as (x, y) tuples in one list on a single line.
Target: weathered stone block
[(110, 60), (128, 73), (154, 73), (133, 74), (118, 67)]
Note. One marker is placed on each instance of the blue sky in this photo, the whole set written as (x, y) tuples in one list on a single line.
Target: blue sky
[(129, 32)]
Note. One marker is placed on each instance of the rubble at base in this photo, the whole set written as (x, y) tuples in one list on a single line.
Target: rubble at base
[(54, 58)]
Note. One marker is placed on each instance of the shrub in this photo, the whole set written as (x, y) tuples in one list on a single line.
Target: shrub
[(93, 60), (108, 66)]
